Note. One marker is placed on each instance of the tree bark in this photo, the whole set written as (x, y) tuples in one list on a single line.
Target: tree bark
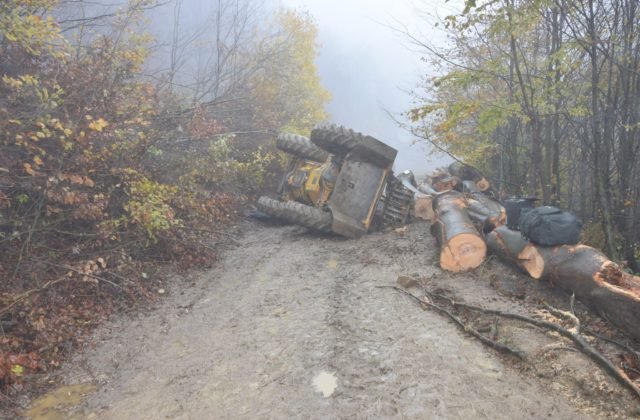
[(461, 246), (443, 181), (595, 280), (508, 245), (485, 212)]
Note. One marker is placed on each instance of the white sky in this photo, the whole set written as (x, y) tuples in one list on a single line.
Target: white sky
[(369, 68)]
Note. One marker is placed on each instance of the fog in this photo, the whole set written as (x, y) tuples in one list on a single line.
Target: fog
[(371, 68), (364, 60), (368, 65)]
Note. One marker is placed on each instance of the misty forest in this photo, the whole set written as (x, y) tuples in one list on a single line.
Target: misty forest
[(135, 134)]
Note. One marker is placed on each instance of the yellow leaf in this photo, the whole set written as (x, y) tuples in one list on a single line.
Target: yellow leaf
[(98, 124), (28, 169), (17, 370), (37, 160)]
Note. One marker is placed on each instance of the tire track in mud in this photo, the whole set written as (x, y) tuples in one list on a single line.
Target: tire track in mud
[(285, 306)]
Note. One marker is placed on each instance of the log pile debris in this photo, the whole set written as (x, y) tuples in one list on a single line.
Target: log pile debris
[(467, 219), (595, 280)]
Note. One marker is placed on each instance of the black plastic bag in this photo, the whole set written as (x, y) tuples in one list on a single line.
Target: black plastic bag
[(550, 226)]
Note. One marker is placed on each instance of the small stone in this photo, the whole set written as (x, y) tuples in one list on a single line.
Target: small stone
[(325, 383), (161, 291), (401, 230), (407, 282)]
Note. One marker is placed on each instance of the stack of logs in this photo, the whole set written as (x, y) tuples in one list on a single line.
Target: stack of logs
[(467, 218)]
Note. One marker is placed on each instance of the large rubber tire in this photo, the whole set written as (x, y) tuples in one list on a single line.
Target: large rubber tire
[(335, 139), (297, 213), (301, 147)]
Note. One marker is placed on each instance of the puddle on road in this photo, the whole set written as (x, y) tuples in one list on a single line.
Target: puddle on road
[(325, 383), (53, 405)]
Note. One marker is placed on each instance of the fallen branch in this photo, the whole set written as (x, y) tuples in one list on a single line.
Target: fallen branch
[(28, 293), (466, 328), (579, 341), (623, 346), (90, 275)]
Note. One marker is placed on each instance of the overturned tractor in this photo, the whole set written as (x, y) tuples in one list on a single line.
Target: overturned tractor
[(339, 181)]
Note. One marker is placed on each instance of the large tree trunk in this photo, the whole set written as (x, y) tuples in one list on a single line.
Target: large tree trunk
[(596, 281), (461, 246)]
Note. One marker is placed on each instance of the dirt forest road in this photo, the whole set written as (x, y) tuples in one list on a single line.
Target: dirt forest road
[(292, 325)]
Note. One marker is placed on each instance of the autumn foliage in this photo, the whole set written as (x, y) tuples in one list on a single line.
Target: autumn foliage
[(544, 97), (105, 173)]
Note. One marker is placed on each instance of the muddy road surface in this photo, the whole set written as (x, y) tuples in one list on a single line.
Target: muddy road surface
[(292, 325)]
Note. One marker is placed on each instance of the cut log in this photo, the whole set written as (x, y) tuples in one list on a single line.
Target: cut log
[(441, 180), (423, 207), (422, 201), (510, 246), (446, 183), (485, 218), (470, 187), (469, 173), (577, 269), (426, 188), (485, 212), (461, 246), (596, 281)]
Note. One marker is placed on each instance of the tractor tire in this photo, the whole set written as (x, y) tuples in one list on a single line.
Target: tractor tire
[(301, 147), (335, 139), (300, 214)]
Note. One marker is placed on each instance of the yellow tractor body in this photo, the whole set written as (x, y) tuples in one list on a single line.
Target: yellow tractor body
[(335, 182)]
